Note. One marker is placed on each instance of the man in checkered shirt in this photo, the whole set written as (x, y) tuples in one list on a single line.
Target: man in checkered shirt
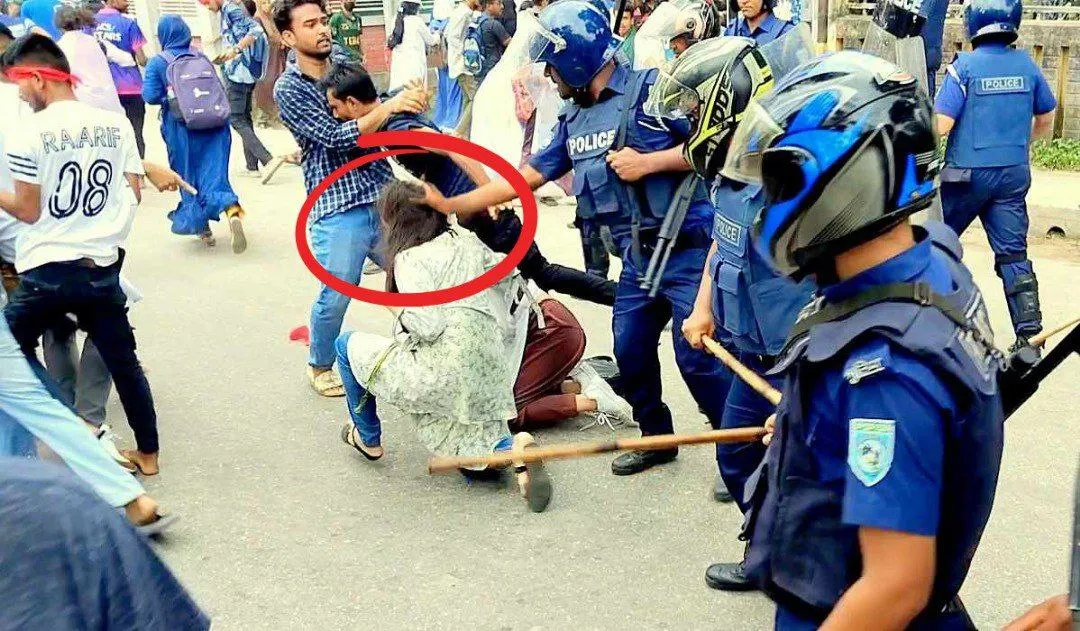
[(344, 226)]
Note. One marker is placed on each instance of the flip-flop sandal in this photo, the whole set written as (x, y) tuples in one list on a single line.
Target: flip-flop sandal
[(538, 489), (135, 463), (347, 436), (158, 526)]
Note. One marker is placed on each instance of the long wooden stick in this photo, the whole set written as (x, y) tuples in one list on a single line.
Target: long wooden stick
[(752, 379), (1041, 338), (578, 450)]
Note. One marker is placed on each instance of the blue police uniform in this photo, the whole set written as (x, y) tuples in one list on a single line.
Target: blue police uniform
[(438, 170), (890, 419), (582, 140), (992, 94), (753, 308), (770, 28)]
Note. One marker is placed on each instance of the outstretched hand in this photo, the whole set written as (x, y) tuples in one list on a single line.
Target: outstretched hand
[(165, 179), (434, 199), (412, 99)]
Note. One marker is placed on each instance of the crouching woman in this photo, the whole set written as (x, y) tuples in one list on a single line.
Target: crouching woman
[(450, 368)]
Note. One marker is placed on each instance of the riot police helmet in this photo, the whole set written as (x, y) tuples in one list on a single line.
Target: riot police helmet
[(845, 149), (575, 40), (997, 18)]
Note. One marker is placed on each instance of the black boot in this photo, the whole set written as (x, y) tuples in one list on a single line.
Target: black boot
[(728, 577), (720, 491), (633, 462)]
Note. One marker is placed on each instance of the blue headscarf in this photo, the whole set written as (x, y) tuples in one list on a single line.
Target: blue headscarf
[(173, 33)]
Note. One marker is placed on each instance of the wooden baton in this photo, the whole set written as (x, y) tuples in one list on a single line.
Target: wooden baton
[(752, 379), (1041, 338), (578, 450)]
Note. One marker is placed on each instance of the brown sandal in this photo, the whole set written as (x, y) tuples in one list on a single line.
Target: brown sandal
[(348, 436)]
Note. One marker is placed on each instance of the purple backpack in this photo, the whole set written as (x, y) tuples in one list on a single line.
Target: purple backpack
[(196, 95)]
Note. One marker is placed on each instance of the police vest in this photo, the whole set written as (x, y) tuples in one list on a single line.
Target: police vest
[(439, 170), (758, 306), (591, 133), (994, 127), (800, 552)]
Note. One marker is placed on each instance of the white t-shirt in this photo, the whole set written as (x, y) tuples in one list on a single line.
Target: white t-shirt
[(13, 111), (79, 156)]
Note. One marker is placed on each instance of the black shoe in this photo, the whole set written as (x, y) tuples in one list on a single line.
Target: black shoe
[(728, 577), (633, 462), (483, 475), (720, 491), (1030, 353)]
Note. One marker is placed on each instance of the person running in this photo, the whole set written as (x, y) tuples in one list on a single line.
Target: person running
[(80, 200), (197, 154)]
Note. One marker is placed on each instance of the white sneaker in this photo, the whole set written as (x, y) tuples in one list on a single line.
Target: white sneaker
[(608, 403), (107, 439)]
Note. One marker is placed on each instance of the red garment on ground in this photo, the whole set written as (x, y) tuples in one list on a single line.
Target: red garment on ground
[(550, 354)]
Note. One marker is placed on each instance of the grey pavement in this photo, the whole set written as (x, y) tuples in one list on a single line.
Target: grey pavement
[(283, 527)]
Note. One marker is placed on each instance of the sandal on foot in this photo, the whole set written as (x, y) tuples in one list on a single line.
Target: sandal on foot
[(158, 525), (537, 487), (327, 384), (348, 436), (130, 454)]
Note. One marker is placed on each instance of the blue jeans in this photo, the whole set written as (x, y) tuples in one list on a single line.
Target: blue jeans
[(366, 418), (340, 243), (28, 409), (638, 321)]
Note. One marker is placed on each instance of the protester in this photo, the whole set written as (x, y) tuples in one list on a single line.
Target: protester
[(450, 368), (70, 261), (493, 36), (755, 19), (408, 61), (342, 227), (43, 14), (19, 25), (244, 57), (352, 95), (196, 154), (508, 17), (118, 29), (70, 561), (456, 30), (348, 29), (88, 59)]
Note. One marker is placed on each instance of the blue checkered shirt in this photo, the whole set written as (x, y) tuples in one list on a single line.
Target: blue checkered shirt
[(326, 144)]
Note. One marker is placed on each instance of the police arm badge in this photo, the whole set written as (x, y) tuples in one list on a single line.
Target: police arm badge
[(871, 445)]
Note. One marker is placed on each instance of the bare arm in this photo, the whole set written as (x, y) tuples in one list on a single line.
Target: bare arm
[(140, 57), (944, 124), (1044, 124), (136, 185), (631, 165), (471, 167), (412, 99), (24, 204), (897, 577)]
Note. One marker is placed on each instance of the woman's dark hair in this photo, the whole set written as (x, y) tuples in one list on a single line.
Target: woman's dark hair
[(250, 6), (406, 223), (282, 12), (70, 18), (348, 78)]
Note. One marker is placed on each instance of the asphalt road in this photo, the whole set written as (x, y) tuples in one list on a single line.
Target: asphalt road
[(283, 527)]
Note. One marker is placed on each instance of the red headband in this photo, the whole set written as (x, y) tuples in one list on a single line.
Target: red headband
[(45, 73)]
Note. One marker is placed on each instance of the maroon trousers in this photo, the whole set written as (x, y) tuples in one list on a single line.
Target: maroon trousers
[(550, 354)]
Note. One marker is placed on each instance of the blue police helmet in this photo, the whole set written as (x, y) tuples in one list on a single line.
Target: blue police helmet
[(988, 17), (844, 148), (575, 39)]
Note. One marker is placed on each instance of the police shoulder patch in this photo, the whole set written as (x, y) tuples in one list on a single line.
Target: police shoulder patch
[(870, 361), (871, 445)]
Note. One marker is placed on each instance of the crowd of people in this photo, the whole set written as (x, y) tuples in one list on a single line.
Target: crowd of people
[(793, 177)]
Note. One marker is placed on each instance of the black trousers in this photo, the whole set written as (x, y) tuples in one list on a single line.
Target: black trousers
[(135, 109), (255, 153), (501, 234), (46, 294)]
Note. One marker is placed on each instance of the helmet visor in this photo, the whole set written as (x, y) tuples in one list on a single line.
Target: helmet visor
[(544, 44), (754, 135), (668, 98)]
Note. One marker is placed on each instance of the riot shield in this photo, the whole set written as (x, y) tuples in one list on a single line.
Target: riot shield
[(906, 52), (789, 50)]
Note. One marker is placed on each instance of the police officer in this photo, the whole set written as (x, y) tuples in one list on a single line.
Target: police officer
[(741, 297), (880, 476), (629, 189), (986, 106), (755, 19)]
